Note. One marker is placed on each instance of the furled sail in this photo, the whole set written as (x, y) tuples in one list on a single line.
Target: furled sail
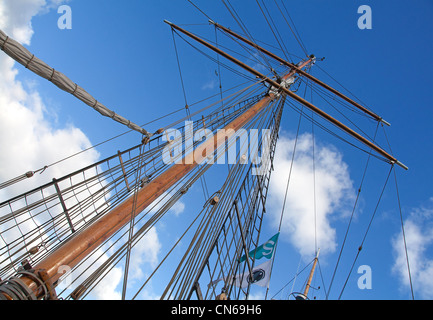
[(20, 54)]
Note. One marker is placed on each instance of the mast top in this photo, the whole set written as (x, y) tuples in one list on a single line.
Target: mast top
[(304, 295), (391, 159), (307, 75)]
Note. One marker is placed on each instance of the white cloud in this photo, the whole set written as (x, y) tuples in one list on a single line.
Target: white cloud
[(28, 141), (211, 84), (418, 229), (177, 208), (145, 253), (105, 288), (16, 16), (148, 295), (333, 187)]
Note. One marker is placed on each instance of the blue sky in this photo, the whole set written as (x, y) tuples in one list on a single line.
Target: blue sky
[(123, 54)]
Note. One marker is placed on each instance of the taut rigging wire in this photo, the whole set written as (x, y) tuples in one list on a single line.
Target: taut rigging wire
[(294, 107), (238, 20), (350, 220), (366, 231), (281, 44), (295, 31), (401, 221), (202, 12), (404, 236)]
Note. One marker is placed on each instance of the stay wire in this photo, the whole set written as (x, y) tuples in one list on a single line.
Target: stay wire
[(188, 112), (248, 49), (249, 77), (238, 20), (179, 68), (401, 220), (340, 112), (314, 177), (271, 46), (350, 220), (366, 232), (341, 85), (290, 173), (132, 223), (295, 31), (290, 281), (219, 68), (404, 236), (323, 280), (209, 18), (287, 189), (294, 107), (346, 105), (271, 28)]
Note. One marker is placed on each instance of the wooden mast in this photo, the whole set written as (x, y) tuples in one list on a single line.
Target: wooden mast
[(81, 245), (304, 295)]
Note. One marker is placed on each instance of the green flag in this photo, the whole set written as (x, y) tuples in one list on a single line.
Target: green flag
[(265, 250)]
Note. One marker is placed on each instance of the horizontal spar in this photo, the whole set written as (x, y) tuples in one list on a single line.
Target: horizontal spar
[(306, 103), (21, 55), (302, 72)]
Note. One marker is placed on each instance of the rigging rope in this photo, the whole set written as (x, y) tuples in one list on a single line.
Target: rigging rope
[(341, 85), (351, 217), (179, 68), (238, 20), (97, 179), (272, 28), (219, 66), (294, 107), (314, 179), (42, 170), (287, 190), (401, 220), (252, 56), (404, 236), (204, 240), (297, 36), (200, 10), (138, 176), (316, 90), (366, 232), (294, 278), (188, 112)]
